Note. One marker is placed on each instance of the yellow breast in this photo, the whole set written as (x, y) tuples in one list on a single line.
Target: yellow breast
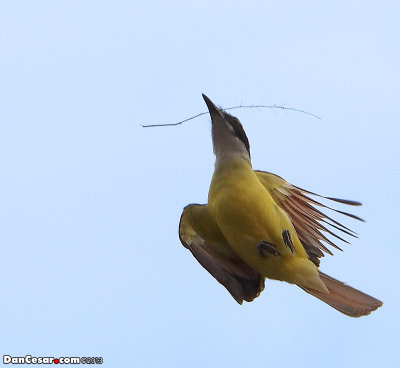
[(247, 215)]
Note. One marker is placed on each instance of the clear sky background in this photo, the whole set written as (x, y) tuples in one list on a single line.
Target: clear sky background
[(91, 262)]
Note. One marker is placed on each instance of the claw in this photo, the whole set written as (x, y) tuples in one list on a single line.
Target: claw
[(265, 246), (287, 239)]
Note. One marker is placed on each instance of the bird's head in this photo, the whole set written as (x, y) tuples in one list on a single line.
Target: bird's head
[(228, 135)]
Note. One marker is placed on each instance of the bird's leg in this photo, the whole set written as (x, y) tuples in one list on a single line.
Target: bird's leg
[(265, 246), (287, 239)]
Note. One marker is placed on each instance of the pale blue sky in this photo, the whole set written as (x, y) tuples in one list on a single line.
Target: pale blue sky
[(90, 201)]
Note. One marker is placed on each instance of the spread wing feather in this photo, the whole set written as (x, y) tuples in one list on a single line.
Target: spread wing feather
[(307, 219), (242, 282)]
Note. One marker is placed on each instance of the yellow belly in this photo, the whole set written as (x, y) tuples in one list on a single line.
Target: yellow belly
[(247, 215)]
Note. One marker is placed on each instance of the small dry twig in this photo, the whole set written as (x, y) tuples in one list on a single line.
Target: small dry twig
[(233, 108)]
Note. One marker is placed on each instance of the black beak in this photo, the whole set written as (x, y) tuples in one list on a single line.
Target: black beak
[(211, 106)]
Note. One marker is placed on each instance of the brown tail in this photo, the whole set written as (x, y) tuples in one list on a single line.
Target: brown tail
[(344, 298)]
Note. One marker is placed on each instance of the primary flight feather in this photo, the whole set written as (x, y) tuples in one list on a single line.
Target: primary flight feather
[(256, 225)]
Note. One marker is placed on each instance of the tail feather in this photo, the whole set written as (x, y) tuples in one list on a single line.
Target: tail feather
[(344, 298)]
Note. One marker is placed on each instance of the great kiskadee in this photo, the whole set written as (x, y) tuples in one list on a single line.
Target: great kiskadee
[(256, 225)]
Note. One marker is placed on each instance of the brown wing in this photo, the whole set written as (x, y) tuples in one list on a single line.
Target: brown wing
[(308, 221), (199, 233)]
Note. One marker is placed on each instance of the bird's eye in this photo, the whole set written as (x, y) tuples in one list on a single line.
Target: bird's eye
[(230, 128)]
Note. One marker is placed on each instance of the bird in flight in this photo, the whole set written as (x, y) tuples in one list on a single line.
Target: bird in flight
[(256, 225)]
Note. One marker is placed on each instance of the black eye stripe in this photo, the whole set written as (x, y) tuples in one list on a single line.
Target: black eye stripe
[(238, 129)]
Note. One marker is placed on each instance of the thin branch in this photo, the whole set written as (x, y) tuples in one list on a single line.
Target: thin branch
[(233, 108), (174, 124)]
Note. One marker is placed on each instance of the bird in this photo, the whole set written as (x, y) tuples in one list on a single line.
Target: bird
[(258, 226)]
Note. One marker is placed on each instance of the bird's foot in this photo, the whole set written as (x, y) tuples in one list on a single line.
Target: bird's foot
[(287, 239), (265, 247)]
